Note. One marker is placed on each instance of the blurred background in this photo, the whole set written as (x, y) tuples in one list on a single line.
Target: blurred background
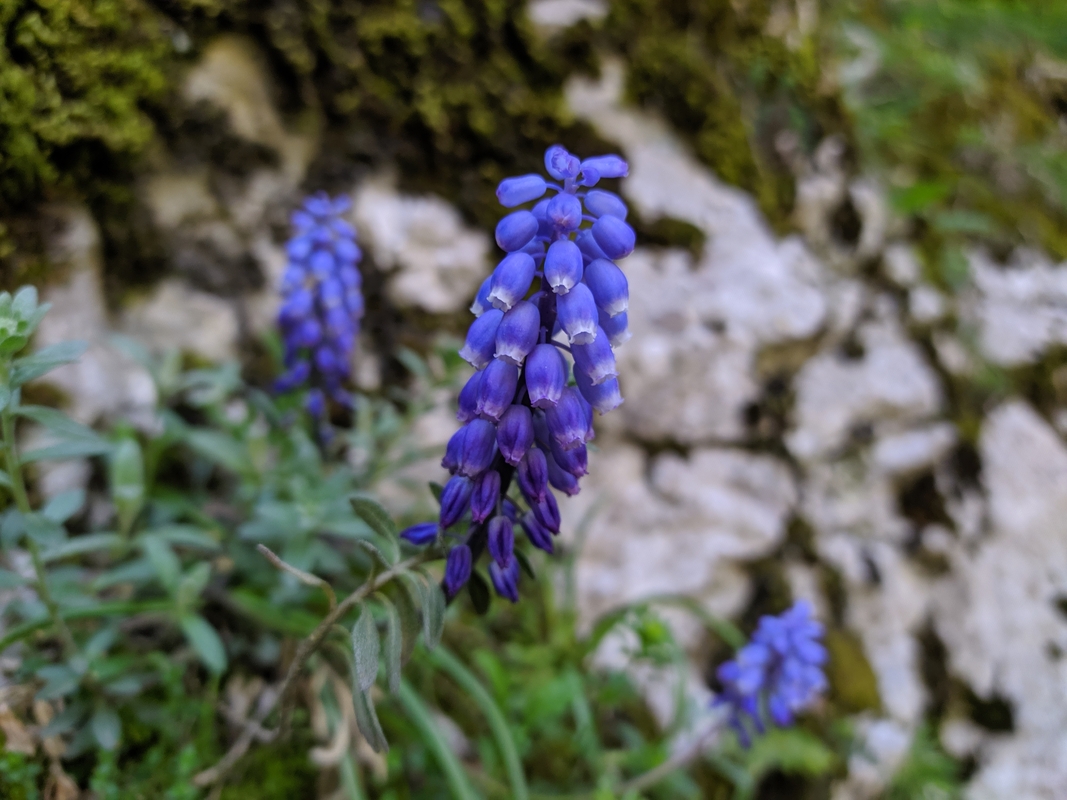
[(847, 380)]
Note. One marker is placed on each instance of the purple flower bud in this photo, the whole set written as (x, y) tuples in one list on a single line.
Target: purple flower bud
[(608, 285), (307, 334), (347, 251), (455, 500), (296, 307), (575, 460), (457, 569), (506, 579), (478, 447), (587, 244), (596, 359), (565, 212), (515, 434), (604, 397), (516, 191), (532, 475), (617, 328), (327, 361), (511, 280), (577, 314), (418, 535), (485, 494), (560, 164), (514, 231), (610, 166), (501, 540), (546, 375), (322, 264), (481, 339), (547, 512), (299, 247), (481, 302), (539, 536), (567, 421), (518, 332), (297, 374), (468, 398), (563, 266), (560, 479), (497, 389), (614, 236), (316, 403), (600, 203)]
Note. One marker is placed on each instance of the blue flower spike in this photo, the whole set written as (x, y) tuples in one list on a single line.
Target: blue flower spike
[(555, 305)]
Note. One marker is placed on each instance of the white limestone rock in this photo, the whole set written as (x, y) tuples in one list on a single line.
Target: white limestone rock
[(175, 316), (436, 261)]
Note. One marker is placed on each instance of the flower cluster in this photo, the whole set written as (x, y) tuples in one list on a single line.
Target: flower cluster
[(776, 675), (322, 303), (523, 419)]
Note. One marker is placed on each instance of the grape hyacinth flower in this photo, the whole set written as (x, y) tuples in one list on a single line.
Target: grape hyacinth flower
[(554, 308), (321, 304), (776, 675)]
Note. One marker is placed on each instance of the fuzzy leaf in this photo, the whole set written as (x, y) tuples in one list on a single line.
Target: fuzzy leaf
[(205, 641), (394, 644), (433, 614), (365, 649), (372, 512), (367, 719), (107, 728), (64, 506), (45, 360)]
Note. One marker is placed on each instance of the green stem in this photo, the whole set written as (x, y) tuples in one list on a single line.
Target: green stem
[(22, 502), (446, 759)]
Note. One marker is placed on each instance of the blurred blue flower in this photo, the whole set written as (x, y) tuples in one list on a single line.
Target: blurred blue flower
[(321, 303), (776, 675)]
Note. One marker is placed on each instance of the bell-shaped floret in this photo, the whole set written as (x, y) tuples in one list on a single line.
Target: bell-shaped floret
[(471, 449), (481, 302), (515, 231), (609, 166), (560, 164), (455, 500), (511, 280), (518, 332), (532, 475), (515, 191), (546, 375), (563, 266), (609, 286), (539, 536), (567, 423), (457, 569), (484, 495), (617, 328), (560, 479), (515, 434), (468, 398), (501, 540), (604, 397), (615, 237), (506, 579), (497, 389), (595, 359), (547, 512), (577, 314), (480, 346), (564, 212), (421, 534), (587, 244), (600, 203)]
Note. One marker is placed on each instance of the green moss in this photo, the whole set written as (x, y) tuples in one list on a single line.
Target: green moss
[(274, 772), (853, 685)]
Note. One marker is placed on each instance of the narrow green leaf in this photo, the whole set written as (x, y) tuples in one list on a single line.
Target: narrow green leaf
[(64, 505), (475, 688), (165, 563), (394, 640), (126, 467), (5, 479), (44, 361), (437, 490), (11, 580), (192, 585), (182, 536), (219, 447), (107, 728), (433, 614), (372, 512), (65, 451), (58, 423), (205, 641), (420, 716), (24, 303), (80, 545), (524, 562), (367, 719), (365, 649), (478, 589)]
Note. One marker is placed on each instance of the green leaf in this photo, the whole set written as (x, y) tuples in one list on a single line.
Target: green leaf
[(789, 750), (475, 688), (433, 614), (57, 422), (60, 680), (5, 479), (64, 505), (11, 580), (66, 451), (478, 590), (192, 585), (80, 545), (24, 303), (182, 536), (367, 719), (44, 361), (126, 467), (365, 648), (205, 641), (420, 716), (107, 728), (437, 490), (394, 642), (219, 447), (372, 512), (524, 562), (165, 563)]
